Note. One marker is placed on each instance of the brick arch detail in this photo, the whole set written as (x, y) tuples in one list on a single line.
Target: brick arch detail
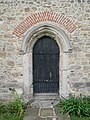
[(31, 20)]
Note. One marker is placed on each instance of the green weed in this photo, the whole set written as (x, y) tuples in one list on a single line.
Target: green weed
[(78, 118), (9, 116), (77, 106), (13, 109)]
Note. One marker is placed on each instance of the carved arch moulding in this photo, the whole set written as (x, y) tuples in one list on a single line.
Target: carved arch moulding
[(35, 18)]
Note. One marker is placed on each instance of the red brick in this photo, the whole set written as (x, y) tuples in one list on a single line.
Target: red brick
[(44, 16)]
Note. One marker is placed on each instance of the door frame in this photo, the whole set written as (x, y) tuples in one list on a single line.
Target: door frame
[(31, 37)]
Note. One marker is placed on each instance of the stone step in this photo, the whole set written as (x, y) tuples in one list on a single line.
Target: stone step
[(49, 103), (46, 96)]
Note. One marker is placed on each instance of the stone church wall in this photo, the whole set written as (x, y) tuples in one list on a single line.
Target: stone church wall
[(13, 12)]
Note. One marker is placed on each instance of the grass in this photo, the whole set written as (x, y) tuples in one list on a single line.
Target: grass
[(9, 116), (79, 118), (11, 111)]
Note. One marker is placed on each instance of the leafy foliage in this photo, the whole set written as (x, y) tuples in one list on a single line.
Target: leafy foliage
[(16, 107), (8, 116), (3, 108), (77, 106), (13, 108), (78, 118)]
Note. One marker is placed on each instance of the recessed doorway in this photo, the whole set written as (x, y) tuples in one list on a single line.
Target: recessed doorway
[(46, 66)]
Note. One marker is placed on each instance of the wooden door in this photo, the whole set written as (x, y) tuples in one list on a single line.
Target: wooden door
[(46, 66)]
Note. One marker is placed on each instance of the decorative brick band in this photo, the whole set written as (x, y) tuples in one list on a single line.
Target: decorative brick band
[(44, 16)]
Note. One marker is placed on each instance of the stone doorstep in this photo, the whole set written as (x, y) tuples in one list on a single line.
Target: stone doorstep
[(49, 103), (46, 96)]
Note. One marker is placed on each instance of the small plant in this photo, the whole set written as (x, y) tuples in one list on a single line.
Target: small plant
[(78, 118), (9, 116), (3, 108), (13, 109), (77, 106), (16, 106)]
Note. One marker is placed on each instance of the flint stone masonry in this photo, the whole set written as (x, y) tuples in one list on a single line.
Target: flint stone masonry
[(17, 18)]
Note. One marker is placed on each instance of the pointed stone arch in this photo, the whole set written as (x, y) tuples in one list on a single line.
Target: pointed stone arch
[(30, 38), (46, 28)]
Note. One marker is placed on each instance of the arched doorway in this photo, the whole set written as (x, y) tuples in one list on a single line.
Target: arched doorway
[(46, 66), (31, 38)]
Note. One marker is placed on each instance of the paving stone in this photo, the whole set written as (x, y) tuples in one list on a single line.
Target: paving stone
[(48, 118), (46, 112), (40, 118), (52, 118), (32, 112)]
